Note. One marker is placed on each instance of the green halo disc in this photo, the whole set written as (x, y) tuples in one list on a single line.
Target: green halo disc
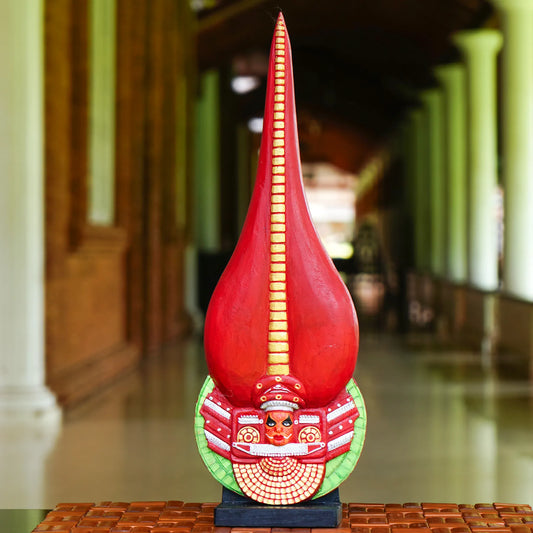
[(337, 470)]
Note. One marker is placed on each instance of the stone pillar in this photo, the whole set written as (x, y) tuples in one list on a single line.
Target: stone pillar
[(420, 198), (517, 85), (23, 394), (452, 79), (207, 163), (480, 48), (432, 101), (206, 231)]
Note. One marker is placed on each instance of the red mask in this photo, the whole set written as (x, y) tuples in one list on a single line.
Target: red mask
[(279, 427)]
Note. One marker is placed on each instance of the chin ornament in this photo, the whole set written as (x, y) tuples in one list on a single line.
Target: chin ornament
[(279, 418)]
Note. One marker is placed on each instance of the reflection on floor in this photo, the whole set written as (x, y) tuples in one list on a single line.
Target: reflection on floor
[(443, 426)]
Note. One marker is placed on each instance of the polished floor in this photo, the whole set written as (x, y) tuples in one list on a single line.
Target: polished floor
[(443, 425)]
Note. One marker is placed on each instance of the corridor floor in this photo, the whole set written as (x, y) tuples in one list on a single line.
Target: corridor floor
[(443, 426)]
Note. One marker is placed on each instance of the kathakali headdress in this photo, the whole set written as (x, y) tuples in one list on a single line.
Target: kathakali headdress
[(280, 419)]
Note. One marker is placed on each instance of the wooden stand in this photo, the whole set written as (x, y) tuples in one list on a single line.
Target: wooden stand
[(239, 511)]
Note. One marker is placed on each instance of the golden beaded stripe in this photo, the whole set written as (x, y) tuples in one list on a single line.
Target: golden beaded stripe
[(278, 334)]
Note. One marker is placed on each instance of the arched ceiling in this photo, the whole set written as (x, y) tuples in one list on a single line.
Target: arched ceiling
[(357, 63)]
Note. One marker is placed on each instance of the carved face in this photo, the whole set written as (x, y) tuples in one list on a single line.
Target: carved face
[(279, 427)]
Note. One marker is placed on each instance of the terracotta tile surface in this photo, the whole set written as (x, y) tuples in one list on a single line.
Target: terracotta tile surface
[(180, 517)]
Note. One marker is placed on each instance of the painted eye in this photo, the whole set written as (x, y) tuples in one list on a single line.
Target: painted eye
[(270, 422), (287, 422)]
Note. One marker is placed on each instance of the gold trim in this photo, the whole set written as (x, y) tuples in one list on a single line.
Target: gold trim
[(278, 370), (278, 336), (278, 346), (277, 358), (274, 228), (277, 296), (278, 329), (277, 248)]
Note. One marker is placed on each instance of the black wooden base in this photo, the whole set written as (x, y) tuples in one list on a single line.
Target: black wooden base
[(239, 511)]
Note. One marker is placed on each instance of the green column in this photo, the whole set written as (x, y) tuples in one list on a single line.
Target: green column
[(432, 101), (101, 113), (480, 48), (420, 190), (517, 118), (207, 164), (453, 81)]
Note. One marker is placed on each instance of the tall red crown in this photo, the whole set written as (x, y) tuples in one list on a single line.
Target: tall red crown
[(280, 308)]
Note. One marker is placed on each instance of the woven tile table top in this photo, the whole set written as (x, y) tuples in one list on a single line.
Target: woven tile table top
[(180, 517)]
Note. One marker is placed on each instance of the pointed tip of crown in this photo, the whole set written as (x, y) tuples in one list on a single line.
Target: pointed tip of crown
[(281, 21)]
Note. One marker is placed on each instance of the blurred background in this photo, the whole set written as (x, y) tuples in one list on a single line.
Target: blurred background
[(129, 137)]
